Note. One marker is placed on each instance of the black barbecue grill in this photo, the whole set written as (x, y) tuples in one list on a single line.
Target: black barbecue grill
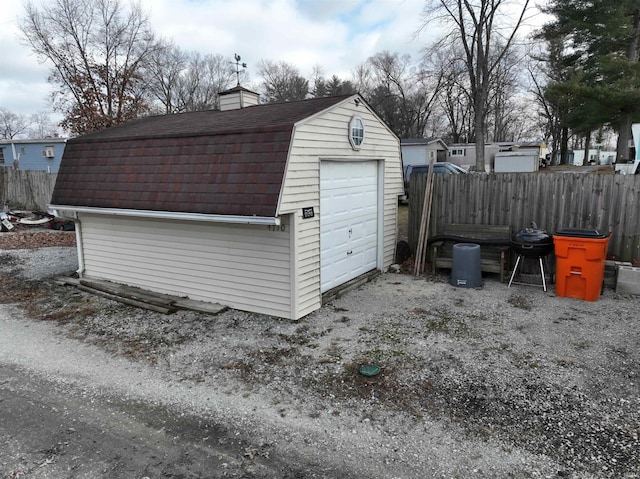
[(532, 242)]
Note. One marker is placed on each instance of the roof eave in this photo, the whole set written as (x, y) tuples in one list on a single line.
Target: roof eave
[(171, 215)]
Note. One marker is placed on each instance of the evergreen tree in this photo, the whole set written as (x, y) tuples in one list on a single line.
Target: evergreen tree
[(599, 58)]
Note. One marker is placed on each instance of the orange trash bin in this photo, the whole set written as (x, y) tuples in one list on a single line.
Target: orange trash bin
[(580, 260)]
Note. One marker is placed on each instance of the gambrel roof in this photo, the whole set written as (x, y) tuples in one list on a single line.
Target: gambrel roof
[(209, 162)]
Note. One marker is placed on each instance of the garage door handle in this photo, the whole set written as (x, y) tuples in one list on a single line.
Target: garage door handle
[(349, 252)]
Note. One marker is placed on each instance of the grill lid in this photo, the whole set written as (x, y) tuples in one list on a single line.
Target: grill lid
[(532, 235), (532, 241)]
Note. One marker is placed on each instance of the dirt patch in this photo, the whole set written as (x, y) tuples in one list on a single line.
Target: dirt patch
[(31, 238)]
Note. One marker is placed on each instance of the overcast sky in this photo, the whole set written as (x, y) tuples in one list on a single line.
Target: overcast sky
[(336, 34)]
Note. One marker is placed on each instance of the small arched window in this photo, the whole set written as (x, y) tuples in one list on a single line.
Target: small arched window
[(356, 132)]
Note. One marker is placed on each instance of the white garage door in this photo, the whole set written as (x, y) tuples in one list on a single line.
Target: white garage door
[(348, 221)]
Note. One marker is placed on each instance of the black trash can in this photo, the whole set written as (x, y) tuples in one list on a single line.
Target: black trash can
[(465, 271)]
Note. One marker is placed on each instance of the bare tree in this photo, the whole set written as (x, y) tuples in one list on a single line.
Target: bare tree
[(363, 79), (457, 109), (42, 126), (505, 120), (204, 78), (401, 93), (486, 32), (167, 64), (551, 111), (13, 124), (389, 97), (188, 81), (282, 82), (98, 51), (453, 102)]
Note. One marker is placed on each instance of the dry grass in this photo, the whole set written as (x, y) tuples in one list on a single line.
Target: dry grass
[(403, 222)]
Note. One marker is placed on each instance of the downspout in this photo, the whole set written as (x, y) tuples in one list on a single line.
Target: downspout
[(16, 157), (78, 228), (79, 248)]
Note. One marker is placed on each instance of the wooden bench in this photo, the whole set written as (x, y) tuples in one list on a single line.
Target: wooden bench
[(494, 243)]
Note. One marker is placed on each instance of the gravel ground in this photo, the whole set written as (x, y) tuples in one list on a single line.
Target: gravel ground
[(486, 382)]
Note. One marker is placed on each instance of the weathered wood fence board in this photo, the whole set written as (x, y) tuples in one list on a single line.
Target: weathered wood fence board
[(26, 189), (553, 201)]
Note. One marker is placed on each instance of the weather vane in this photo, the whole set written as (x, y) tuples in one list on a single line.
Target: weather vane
[(238, 66)]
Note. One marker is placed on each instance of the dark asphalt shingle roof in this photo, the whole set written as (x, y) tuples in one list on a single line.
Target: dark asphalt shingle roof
[(210, 162)]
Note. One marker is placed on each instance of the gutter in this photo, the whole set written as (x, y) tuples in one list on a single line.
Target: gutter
[(72, 211)]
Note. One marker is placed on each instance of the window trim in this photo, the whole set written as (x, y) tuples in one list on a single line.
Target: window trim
[(356, 125)]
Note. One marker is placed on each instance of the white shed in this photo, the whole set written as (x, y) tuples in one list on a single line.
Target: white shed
[(262, 208), (420, 151), (519, 161)]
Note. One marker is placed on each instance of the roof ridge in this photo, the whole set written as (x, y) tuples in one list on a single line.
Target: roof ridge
[(213, 122)]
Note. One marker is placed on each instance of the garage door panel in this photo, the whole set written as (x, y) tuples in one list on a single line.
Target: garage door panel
[(335, 237), (348, 220), (344, 208)]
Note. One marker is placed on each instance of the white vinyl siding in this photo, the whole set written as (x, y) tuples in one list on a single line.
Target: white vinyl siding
[(245, 267), (308, 264), (326, 136)]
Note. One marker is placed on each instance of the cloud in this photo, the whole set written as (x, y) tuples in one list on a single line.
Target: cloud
[(23, 87), (338, 35)]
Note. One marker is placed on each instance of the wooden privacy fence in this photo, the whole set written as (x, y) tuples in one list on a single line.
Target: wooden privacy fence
[(26, 189), (605, 202)]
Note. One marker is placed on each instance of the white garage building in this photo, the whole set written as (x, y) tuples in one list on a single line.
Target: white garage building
[(261, 208)]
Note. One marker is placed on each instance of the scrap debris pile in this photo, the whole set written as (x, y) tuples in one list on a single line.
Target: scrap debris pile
[(11, 220)]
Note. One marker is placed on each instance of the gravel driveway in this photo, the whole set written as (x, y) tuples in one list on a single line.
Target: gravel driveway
[(487, 382)]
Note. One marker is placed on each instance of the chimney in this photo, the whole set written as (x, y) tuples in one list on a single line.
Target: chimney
[(236, 98)]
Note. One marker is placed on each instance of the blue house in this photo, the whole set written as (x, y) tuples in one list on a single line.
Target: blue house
[(32, 154)]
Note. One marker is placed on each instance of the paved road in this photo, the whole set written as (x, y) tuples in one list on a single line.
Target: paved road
[(59, 418), (55, 430)]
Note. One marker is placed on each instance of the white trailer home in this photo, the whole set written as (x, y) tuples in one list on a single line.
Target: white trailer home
[(633, 166)]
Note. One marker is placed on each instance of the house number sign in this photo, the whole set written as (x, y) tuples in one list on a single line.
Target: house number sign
[(307, 212)]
